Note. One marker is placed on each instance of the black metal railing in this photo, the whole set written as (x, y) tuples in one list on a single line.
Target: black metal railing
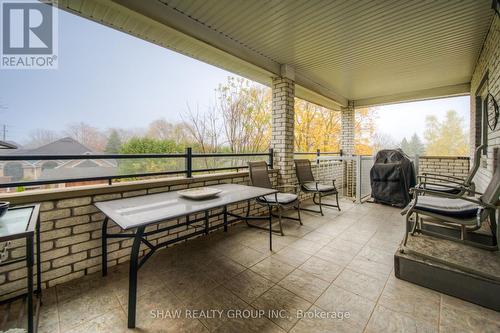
[(188, 169), (185, 165)]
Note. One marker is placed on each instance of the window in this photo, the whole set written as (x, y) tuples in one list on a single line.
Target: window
[(481, 118)]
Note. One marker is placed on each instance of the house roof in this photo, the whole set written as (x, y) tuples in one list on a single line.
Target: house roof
[(7, 145), (64, 146)]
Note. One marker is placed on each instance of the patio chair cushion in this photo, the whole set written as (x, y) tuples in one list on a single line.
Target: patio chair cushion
[(449, 207), (449, 188), (283, 198), (311, 186)]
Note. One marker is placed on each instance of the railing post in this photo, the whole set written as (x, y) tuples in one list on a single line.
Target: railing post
[(417, 162), (189, 162), (358, 179), (318, 154), (271, 158)]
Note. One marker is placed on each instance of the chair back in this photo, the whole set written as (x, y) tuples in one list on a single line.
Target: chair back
[(304, 171), (475, 166), (259, 175), (492, 192)]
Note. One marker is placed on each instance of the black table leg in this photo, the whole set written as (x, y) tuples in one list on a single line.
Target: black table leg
[(29, 263), (132, 283), (38, 262), (225, 218), (206, 222), (270, 229), (104, 240)]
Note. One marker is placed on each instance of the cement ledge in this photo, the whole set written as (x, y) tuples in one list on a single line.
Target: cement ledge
[(26, 197)]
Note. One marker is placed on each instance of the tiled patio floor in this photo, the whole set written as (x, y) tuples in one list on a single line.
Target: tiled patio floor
[(340, 262)]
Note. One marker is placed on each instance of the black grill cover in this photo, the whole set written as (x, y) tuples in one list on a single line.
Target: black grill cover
[(391, 177)]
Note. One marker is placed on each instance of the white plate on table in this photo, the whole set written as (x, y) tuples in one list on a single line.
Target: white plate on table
[(199, 193)]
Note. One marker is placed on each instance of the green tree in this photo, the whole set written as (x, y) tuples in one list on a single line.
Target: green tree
[(150, 146), (447, 137), (114, 143), (413, 147)]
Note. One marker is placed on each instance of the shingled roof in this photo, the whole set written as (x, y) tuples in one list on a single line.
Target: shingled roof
[(64, 146)]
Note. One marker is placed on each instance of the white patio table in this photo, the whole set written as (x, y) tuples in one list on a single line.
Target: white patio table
[(143, 211)]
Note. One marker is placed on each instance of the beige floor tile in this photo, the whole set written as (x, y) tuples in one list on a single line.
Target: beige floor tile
[(345, 245), (246, 256), (318, 237), (249, 285), (307, 246), (272, 269), (360, 284), (369, 267), (325, 270), (161, 311), (114, 321), (291, 256), (461, 316), (388, 321), (336, 256), (77, 310), (214, 307), (304, 284), (376, 254), (221, 269), (411, 300), (188, 284), (281, 306), (338, 299)]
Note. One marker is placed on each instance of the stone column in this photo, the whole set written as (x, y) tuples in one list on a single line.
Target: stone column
[(282, 140)]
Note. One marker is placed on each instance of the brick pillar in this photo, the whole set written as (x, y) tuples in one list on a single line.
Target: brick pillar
[(347, 131), (283, 128), (347, 146)]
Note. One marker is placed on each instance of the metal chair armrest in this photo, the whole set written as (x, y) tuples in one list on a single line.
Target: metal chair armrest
[(442, 176), (449, 180), (450, 196)]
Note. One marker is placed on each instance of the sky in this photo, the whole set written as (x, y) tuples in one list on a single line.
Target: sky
[(110, 79), (403, 119)]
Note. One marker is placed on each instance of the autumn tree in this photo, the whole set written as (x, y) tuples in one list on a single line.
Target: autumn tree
[(40, 137), (317, 127), (87, 135), (245, 113), (383, 141), (447, 137)]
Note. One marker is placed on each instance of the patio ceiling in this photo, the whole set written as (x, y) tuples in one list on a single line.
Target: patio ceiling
[(372, 52)]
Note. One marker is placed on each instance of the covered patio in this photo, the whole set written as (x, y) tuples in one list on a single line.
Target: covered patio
[(341, 55), (342, 262)]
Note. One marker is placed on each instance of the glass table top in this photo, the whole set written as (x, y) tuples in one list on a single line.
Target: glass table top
[(15, 221)]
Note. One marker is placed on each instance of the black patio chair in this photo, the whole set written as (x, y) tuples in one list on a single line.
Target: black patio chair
[(466, 213), (309, 185), (259, 177), (450, 184)]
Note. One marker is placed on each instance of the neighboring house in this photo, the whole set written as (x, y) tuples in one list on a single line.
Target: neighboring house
[(7, 145), (14, 171)]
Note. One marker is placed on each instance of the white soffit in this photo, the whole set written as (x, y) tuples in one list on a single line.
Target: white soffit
[(340, 49)]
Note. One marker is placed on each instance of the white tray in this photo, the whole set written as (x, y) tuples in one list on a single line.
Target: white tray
[(199, 193)]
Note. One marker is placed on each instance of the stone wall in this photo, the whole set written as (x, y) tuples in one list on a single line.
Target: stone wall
[(487, 70), (71, 227), (457, 166)]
